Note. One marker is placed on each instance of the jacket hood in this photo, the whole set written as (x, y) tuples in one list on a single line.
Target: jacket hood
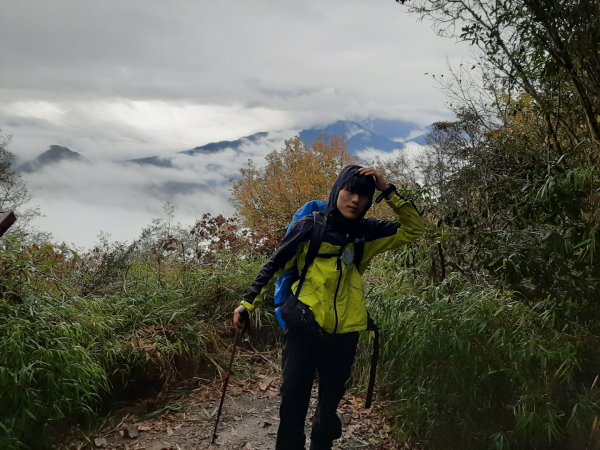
[(342, 180)]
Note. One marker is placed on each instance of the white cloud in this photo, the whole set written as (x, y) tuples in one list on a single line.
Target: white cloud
[(121, 129), (411, 152), (42, 110), (117, 80), (81, 199), (138, 76)]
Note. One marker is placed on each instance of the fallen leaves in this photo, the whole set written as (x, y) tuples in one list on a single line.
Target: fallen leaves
[(100, 442), (266, 383), (129, 433), (249, 421)]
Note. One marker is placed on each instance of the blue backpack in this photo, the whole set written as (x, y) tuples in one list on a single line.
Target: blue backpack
[(283, 288)]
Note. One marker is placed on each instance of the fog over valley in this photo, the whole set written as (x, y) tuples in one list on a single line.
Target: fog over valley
[(80, 197)]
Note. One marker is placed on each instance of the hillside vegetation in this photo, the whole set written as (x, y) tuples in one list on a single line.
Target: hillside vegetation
[(80, 331), (490, 322)]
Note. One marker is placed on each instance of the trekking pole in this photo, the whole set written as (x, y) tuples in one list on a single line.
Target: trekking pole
[(238, 335)]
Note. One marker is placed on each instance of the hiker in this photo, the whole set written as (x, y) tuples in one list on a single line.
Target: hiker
[(329, 310)]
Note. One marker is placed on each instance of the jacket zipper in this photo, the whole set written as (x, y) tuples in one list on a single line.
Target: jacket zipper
[(339, 267)]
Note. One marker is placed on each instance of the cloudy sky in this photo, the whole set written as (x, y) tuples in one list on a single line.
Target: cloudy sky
[(120, 79)]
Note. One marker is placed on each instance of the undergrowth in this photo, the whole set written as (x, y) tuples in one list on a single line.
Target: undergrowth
[(70, 346), (464, 365)]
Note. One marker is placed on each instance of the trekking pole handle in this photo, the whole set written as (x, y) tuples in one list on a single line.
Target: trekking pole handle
[(241, 316)]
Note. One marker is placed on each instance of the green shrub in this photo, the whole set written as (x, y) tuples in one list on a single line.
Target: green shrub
[(64, 354), (47, 373), (471, 367)]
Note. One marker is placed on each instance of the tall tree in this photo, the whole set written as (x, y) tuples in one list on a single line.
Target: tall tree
[(266, 198), (547, 48), (521, 191)]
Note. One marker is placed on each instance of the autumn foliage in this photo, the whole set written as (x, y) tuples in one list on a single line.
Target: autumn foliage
[(267, 198)]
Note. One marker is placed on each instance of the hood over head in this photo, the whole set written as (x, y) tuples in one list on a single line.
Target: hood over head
[(361, 184)]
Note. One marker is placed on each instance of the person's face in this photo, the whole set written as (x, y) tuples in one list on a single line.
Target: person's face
[(351, 205)]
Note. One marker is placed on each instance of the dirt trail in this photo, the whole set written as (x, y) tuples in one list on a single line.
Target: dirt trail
[(184, 420)]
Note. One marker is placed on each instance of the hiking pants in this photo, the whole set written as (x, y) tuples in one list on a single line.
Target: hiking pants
[(331, 356)]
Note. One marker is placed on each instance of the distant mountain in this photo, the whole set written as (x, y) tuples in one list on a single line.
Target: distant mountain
[(152, 161), (371, 134), (420, 139), (391, 129), (206, 171), (379, 134), (54, 155), (215, 147)]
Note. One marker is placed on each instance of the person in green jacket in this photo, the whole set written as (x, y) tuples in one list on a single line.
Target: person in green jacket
[(333, 296)]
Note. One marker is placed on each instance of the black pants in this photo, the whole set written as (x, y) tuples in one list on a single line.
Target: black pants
[(332, 356)]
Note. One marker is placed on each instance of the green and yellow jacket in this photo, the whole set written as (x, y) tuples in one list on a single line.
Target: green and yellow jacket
[(333, 288)]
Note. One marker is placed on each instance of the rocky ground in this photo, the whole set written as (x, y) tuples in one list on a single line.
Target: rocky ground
[(184, 419)]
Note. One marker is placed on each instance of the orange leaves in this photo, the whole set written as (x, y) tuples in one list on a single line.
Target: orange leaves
[(267, 198)]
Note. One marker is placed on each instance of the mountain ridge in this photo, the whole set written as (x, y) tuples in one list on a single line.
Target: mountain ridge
[(54, 155), (384, 135), (380, 134)]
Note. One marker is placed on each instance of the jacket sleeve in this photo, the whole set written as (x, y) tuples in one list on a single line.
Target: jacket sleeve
[(383, 235), (281, 261)]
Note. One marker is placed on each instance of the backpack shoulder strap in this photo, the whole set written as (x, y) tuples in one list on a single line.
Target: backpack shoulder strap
[(359, 250), (318, 232)]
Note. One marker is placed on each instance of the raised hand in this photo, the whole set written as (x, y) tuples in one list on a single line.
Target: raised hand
[(380, 181)]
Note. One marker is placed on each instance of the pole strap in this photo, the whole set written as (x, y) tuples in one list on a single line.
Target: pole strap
[(374, 359)]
